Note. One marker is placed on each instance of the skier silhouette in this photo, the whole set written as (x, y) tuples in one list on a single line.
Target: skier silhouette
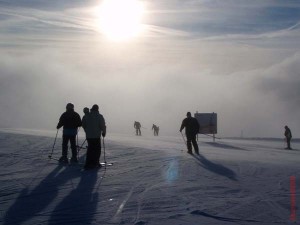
[(288, 137), (137, 126), (191, 126), (94, 126), (70, 121), (155, 130)]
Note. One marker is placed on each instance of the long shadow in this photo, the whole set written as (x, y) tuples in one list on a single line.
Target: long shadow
[(215, 168), (80, 206), (226, 219), (219, 145), (30, 203)]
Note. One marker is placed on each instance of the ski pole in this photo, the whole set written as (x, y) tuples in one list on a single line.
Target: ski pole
[(50, 156), (77, 143), (78, 148), (183, 139), (77, 136), (81, 145), (104, 151)]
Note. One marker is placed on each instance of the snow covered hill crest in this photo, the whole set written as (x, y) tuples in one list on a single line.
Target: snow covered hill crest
[(153, 181)]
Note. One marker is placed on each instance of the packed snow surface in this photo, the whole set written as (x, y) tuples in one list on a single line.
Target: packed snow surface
[(152, 181)]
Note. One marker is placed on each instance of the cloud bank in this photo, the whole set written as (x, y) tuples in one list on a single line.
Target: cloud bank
[(206, 56)]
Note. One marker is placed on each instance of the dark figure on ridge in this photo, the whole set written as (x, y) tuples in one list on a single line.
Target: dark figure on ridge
[(70, 121), (288, 137), (137, 126), (94, 126), (155, 129), (191, 126)]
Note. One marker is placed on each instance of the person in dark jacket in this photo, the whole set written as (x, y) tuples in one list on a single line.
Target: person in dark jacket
[(155, 130), (70, 121), (137, 125), (288, 137), (191, 126), (94, 126)]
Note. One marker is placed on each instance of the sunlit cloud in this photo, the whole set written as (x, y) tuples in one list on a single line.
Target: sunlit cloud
[(236, 58)]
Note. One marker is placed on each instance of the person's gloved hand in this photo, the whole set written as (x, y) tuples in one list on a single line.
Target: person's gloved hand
[(103, 134)]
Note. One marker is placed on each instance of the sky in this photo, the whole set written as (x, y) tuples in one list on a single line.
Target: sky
[(237, 58)]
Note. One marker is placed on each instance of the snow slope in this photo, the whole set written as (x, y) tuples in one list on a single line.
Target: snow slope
[(153, 181)]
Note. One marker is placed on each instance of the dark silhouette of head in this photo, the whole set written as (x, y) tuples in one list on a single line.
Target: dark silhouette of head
[(70, 106), (86, 110), (188, 114), (286, 127), (95, 107)]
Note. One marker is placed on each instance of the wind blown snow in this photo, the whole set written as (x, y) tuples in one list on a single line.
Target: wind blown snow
[(152, 181)]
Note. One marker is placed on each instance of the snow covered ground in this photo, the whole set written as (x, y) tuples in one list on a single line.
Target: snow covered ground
[(153, 181)]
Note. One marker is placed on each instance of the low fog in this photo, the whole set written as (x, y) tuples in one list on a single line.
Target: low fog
[(250, 80), (36, 88)]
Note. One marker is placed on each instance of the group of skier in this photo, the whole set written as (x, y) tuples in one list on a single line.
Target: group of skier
[(191, 126), (94, 126), (137, 125)]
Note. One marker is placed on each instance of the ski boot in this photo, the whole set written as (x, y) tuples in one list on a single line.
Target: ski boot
[(74, 160), (64, 159)]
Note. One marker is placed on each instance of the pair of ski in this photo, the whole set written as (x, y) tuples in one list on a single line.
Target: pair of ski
[(100, 166), (78, 163)]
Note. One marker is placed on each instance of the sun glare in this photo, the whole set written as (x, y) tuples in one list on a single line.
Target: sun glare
[(120, 19)]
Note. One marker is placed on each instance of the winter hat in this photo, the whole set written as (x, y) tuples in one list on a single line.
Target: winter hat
[(95, 107), (69, 106), (86, 110)]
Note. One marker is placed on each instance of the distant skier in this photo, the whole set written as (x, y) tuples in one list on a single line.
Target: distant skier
[(288, 137), (70, 121), (94, 126), (155, 130), (137, 126), (191, 126)]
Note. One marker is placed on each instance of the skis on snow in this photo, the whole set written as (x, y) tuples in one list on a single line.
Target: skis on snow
[(78, 163)]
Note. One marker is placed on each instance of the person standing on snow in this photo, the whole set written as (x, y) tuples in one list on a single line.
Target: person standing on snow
[(93, 125), (137, 126), (288, 137), (191, 126), (70, 121), (155, 130)]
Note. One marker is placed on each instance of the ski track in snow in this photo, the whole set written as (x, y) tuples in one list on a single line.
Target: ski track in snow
[(153, 181)]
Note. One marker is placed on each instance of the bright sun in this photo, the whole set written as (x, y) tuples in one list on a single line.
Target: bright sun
[(121, 19)]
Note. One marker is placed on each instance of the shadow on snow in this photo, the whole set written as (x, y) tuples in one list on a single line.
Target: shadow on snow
[(215, 168), (78, 206), (226, 146), (226, 219)]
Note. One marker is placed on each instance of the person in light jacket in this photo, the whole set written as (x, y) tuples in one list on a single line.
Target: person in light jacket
[(94, 126)]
